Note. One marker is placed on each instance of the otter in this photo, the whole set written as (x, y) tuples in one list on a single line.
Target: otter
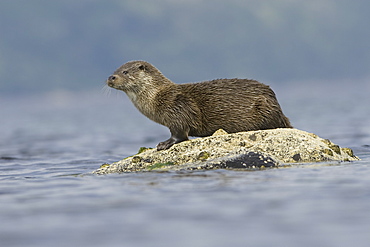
[(198, 109)]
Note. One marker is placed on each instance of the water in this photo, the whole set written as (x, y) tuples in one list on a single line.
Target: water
[(50, 143)]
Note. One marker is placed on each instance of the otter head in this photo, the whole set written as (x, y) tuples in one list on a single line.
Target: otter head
[(130, 77), (138, 79)]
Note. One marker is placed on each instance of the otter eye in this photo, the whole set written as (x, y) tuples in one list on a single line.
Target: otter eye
[(124, 72)]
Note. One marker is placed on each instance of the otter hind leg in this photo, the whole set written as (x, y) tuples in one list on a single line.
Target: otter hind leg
[(177, 136)]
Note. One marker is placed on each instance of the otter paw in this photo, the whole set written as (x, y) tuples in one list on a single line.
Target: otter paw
[(165, 145)]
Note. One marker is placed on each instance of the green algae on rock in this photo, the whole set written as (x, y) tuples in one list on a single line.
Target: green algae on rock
[(242, 150)]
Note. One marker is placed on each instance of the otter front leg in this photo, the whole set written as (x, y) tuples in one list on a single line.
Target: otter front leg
[(176, 137)]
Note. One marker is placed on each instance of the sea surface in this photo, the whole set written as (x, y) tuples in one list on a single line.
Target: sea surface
[(51, 142)]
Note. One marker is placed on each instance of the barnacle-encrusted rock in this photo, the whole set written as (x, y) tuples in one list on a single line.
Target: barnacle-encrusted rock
[(243, 150)]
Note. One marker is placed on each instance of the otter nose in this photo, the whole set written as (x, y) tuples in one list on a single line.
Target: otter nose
[(112, 78)]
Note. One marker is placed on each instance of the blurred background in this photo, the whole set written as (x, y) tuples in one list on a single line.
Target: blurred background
[(74, 45)]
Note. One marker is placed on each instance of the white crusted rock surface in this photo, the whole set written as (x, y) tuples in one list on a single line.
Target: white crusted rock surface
[(243, 150)]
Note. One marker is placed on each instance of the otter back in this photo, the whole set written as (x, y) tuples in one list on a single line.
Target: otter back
[(231, 104)]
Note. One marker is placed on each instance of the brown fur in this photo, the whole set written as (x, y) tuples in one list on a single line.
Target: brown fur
[(198, 109)]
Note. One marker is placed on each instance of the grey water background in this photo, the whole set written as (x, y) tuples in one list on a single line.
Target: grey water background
[(57, 125)]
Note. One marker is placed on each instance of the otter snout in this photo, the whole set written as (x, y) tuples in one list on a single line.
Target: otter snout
[(111, 79)]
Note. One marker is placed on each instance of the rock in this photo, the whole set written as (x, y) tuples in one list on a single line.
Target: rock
[(244, 150)]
